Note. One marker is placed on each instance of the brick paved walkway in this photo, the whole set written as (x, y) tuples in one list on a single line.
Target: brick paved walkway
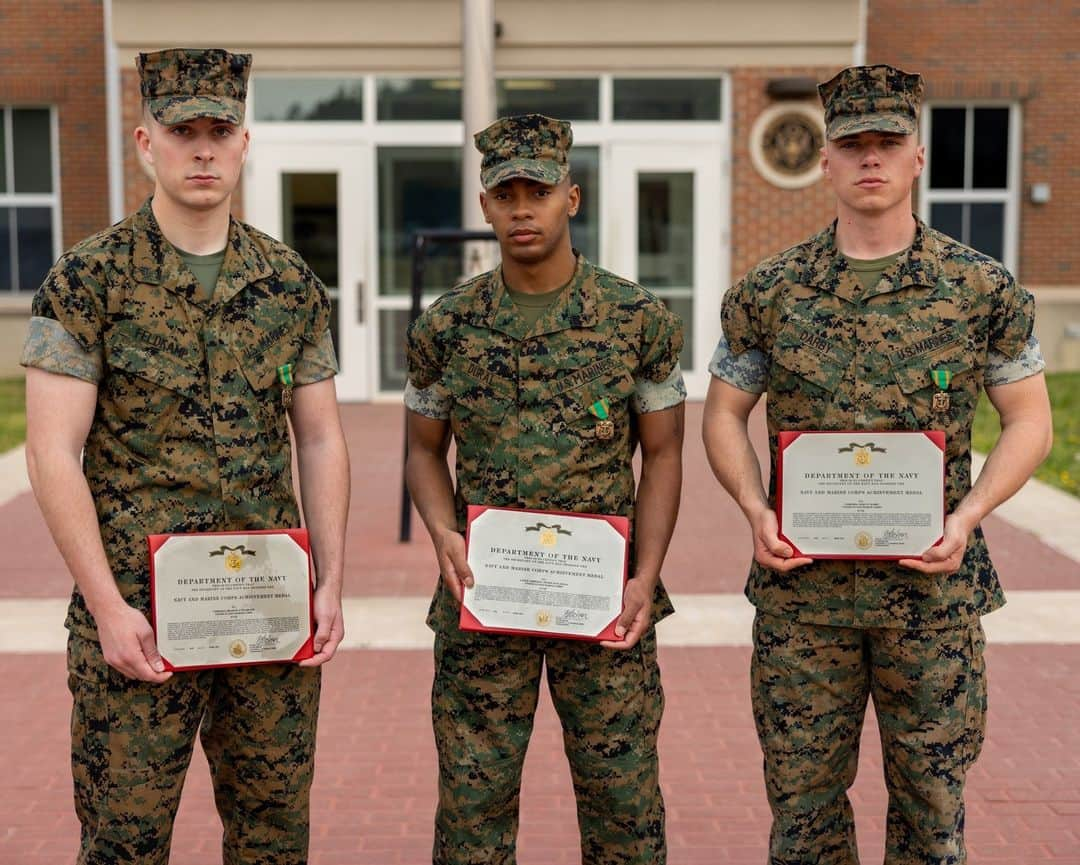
[(375, 785)]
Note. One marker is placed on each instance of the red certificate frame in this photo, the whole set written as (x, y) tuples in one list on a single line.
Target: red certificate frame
[(298, 536), (469, 622), (785, 438)]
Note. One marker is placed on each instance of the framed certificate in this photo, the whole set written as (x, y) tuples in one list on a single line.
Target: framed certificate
[(861, 495), (544, 573), (227, 599)]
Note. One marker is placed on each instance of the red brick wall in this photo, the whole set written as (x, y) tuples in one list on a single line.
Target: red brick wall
[(137, 183), (52, 53), (764, 218), (1001, 49)]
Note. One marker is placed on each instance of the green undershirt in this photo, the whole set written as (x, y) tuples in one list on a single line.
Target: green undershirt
[(869, 270), (206, 269), (532, 306)]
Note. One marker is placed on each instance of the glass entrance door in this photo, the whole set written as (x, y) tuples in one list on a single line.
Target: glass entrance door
[(667, 235), (309, 197)]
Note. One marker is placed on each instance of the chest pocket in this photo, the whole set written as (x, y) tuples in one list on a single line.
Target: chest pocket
[(914, 378), (481, 404), (153, 364), (146, 389), (261, 369), (805, 374)]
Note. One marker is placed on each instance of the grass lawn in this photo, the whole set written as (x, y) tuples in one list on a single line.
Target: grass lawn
[(1062, 467), (12, 413)]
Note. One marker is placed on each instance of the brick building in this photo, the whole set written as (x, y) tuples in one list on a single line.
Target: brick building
[(54, 186), (696, 135)]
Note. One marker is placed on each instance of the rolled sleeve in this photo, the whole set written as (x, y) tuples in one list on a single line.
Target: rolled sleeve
[(433, 401), (650, 396), (1001, 369), (51, 348), (748, 371)]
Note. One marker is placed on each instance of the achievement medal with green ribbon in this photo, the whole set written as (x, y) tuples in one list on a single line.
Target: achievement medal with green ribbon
[(942, 378), (285, 377), (601, 409)]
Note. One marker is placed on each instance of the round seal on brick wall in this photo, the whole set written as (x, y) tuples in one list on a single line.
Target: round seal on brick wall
[(785, 144)]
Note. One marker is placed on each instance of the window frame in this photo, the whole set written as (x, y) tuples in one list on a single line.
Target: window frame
[(1009, 196), (13, 199)]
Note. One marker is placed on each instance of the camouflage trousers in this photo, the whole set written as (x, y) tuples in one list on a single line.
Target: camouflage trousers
[(810, 685), (131, 743), (609, 702)]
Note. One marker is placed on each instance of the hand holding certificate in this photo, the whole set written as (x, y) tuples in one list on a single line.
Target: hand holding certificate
[(861, 495), (231, 598), (545, 574)]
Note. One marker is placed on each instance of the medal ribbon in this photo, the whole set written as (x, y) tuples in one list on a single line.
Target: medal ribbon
[(285, 374), (600, 408), (942, 378)]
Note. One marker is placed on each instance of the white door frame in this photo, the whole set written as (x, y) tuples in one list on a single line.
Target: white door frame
[(262, 192), (705, 160)]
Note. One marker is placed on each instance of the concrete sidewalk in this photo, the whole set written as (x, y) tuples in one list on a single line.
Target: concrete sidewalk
[(375, 786)]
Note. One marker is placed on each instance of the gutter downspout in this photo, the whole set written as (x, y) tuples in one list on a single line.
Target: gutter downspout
[(478, 111), (859, 51), (113, 120)]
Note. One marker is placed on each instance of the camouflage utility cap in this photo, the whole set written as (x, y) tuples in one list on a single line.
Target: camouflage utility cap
[(530, 145), (871, 99), (182, 84)]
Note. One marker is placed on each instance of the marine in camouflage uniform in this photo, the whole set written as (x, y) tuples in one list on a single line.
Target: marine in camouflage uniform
[(189, 434), (833, 353), (516, 397)]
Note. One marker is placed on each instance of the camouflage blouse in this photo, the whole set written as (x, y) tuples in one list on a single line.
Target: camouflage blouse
[(839, 357), (190, 431), (546, 417)]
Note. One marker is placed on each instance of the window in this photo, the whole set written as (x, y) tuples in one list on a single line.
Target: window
[(309, 219), (665, 244), (969, 187), (419, 98), (667, 99), (307, 99), (585, 227), (418, 187), (565, 98), (29, 198)]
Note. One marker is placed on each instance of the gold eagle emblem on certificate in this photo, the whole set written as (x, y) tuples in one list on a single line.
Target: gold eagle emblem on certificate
[(548, 536), (863, 540), (543, 618), (862, 453), (238, 648), (234, 556)]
